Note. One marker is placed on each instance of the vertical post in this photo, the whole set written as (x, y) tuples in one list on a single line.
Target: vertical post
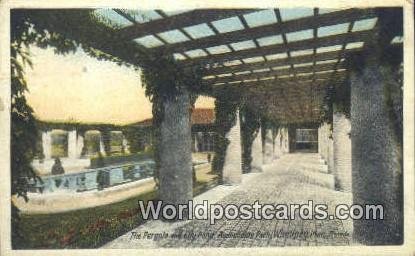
[(256, 152), (342, 152), (268, 147), (277, 144), (376, 153), (330, 151), (72, 147), (101, 144), (125, 145), (196, 149), (47, 144), (320, 141), (174, 150), (232, 168), (79, 145)]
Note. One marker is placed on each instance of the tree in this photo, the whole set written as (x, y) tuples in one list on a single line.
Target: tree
[(43, 28)]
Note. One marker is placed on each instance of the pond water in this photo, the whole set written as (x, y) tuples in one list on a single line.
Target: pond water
[(97, 178)]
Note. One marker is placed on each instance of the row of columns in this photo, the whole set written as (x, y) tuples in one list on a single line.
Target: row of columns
[(76, 143), (364, 153), (325, 145), (334, 147), (266, 147), (372, 150)]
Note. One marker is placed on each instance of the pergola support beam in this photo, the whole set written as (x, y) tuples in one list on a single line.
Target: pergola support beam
[(174, 150), (376, 153)]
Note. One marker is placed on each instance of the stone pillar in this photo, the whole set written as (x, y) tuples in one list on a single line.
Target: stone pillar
[(268, 147), (47, 144), (256, 152), (174, 150), (282, 141), (277, 144), (196, 146), (325, 142), (286, 141), (72, 146), (232, 168), (376, 153), (330, 153), (101, 145), (320, 140), (79, 145), (342, 152), (125, 145)]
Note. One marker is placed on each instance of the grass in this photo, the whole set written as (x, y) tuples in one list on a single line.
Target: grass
[(93, 227)]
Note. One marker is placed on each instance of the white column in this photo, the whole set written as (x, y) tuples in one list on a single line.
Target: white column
[(232, 169), (286, 141), (125, 145), (72, 146), (330, 153), (101, 145), (342, 152), (256, 152), (278, 144), (47, 144), (79, 145), (268, 147), (195, 142)]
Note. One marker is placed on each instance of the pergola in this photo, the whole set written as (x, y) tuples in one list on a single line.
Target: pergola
[(288, 63), (293, 56)]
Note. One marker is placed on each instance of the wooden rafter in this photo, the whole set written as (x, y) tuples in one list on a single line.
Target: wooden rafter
[(299, 70), (274, 49), (284, 80), (268, 30), (178, 21), (278, 62)]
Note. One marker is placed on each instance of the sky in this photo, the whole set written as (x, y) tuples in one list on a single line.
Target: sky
[(79, 88)]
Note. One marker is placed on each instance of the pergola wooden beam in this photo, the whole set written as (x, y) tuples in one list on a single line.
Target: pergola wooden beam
[(281, 48), (322, 80), (279, 62), (178, 21), (288, 71), (268, 30)]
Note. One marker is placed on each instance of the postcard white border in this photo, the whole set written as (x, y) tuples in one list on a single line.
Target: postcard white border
[(409, 189)]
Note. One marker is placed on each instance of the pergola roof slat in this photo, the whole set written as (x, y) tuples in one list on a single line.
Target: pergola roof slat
[(278, 62), (293, 81), (178, 21), (273, 49), (321, 67), (272, 29)]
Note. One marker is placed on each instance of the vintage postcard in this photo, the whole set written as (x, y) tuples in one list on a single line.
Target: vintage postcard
[(207, 127)]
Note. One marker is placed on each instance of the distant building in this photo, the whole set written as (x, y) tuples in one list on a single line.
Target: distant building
[(73, 141)]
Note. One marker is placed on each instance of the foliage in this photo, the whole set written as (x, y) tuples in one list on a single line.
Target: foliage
[(66, 31), (250, 126), (45, 28), (119, 159), (87, 228), (138, 137), (226, 107), (163, 86), (23, 128)]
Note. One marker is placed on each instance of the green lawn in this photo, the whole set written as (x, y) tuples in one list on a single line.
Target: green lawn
[(87, 228)]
